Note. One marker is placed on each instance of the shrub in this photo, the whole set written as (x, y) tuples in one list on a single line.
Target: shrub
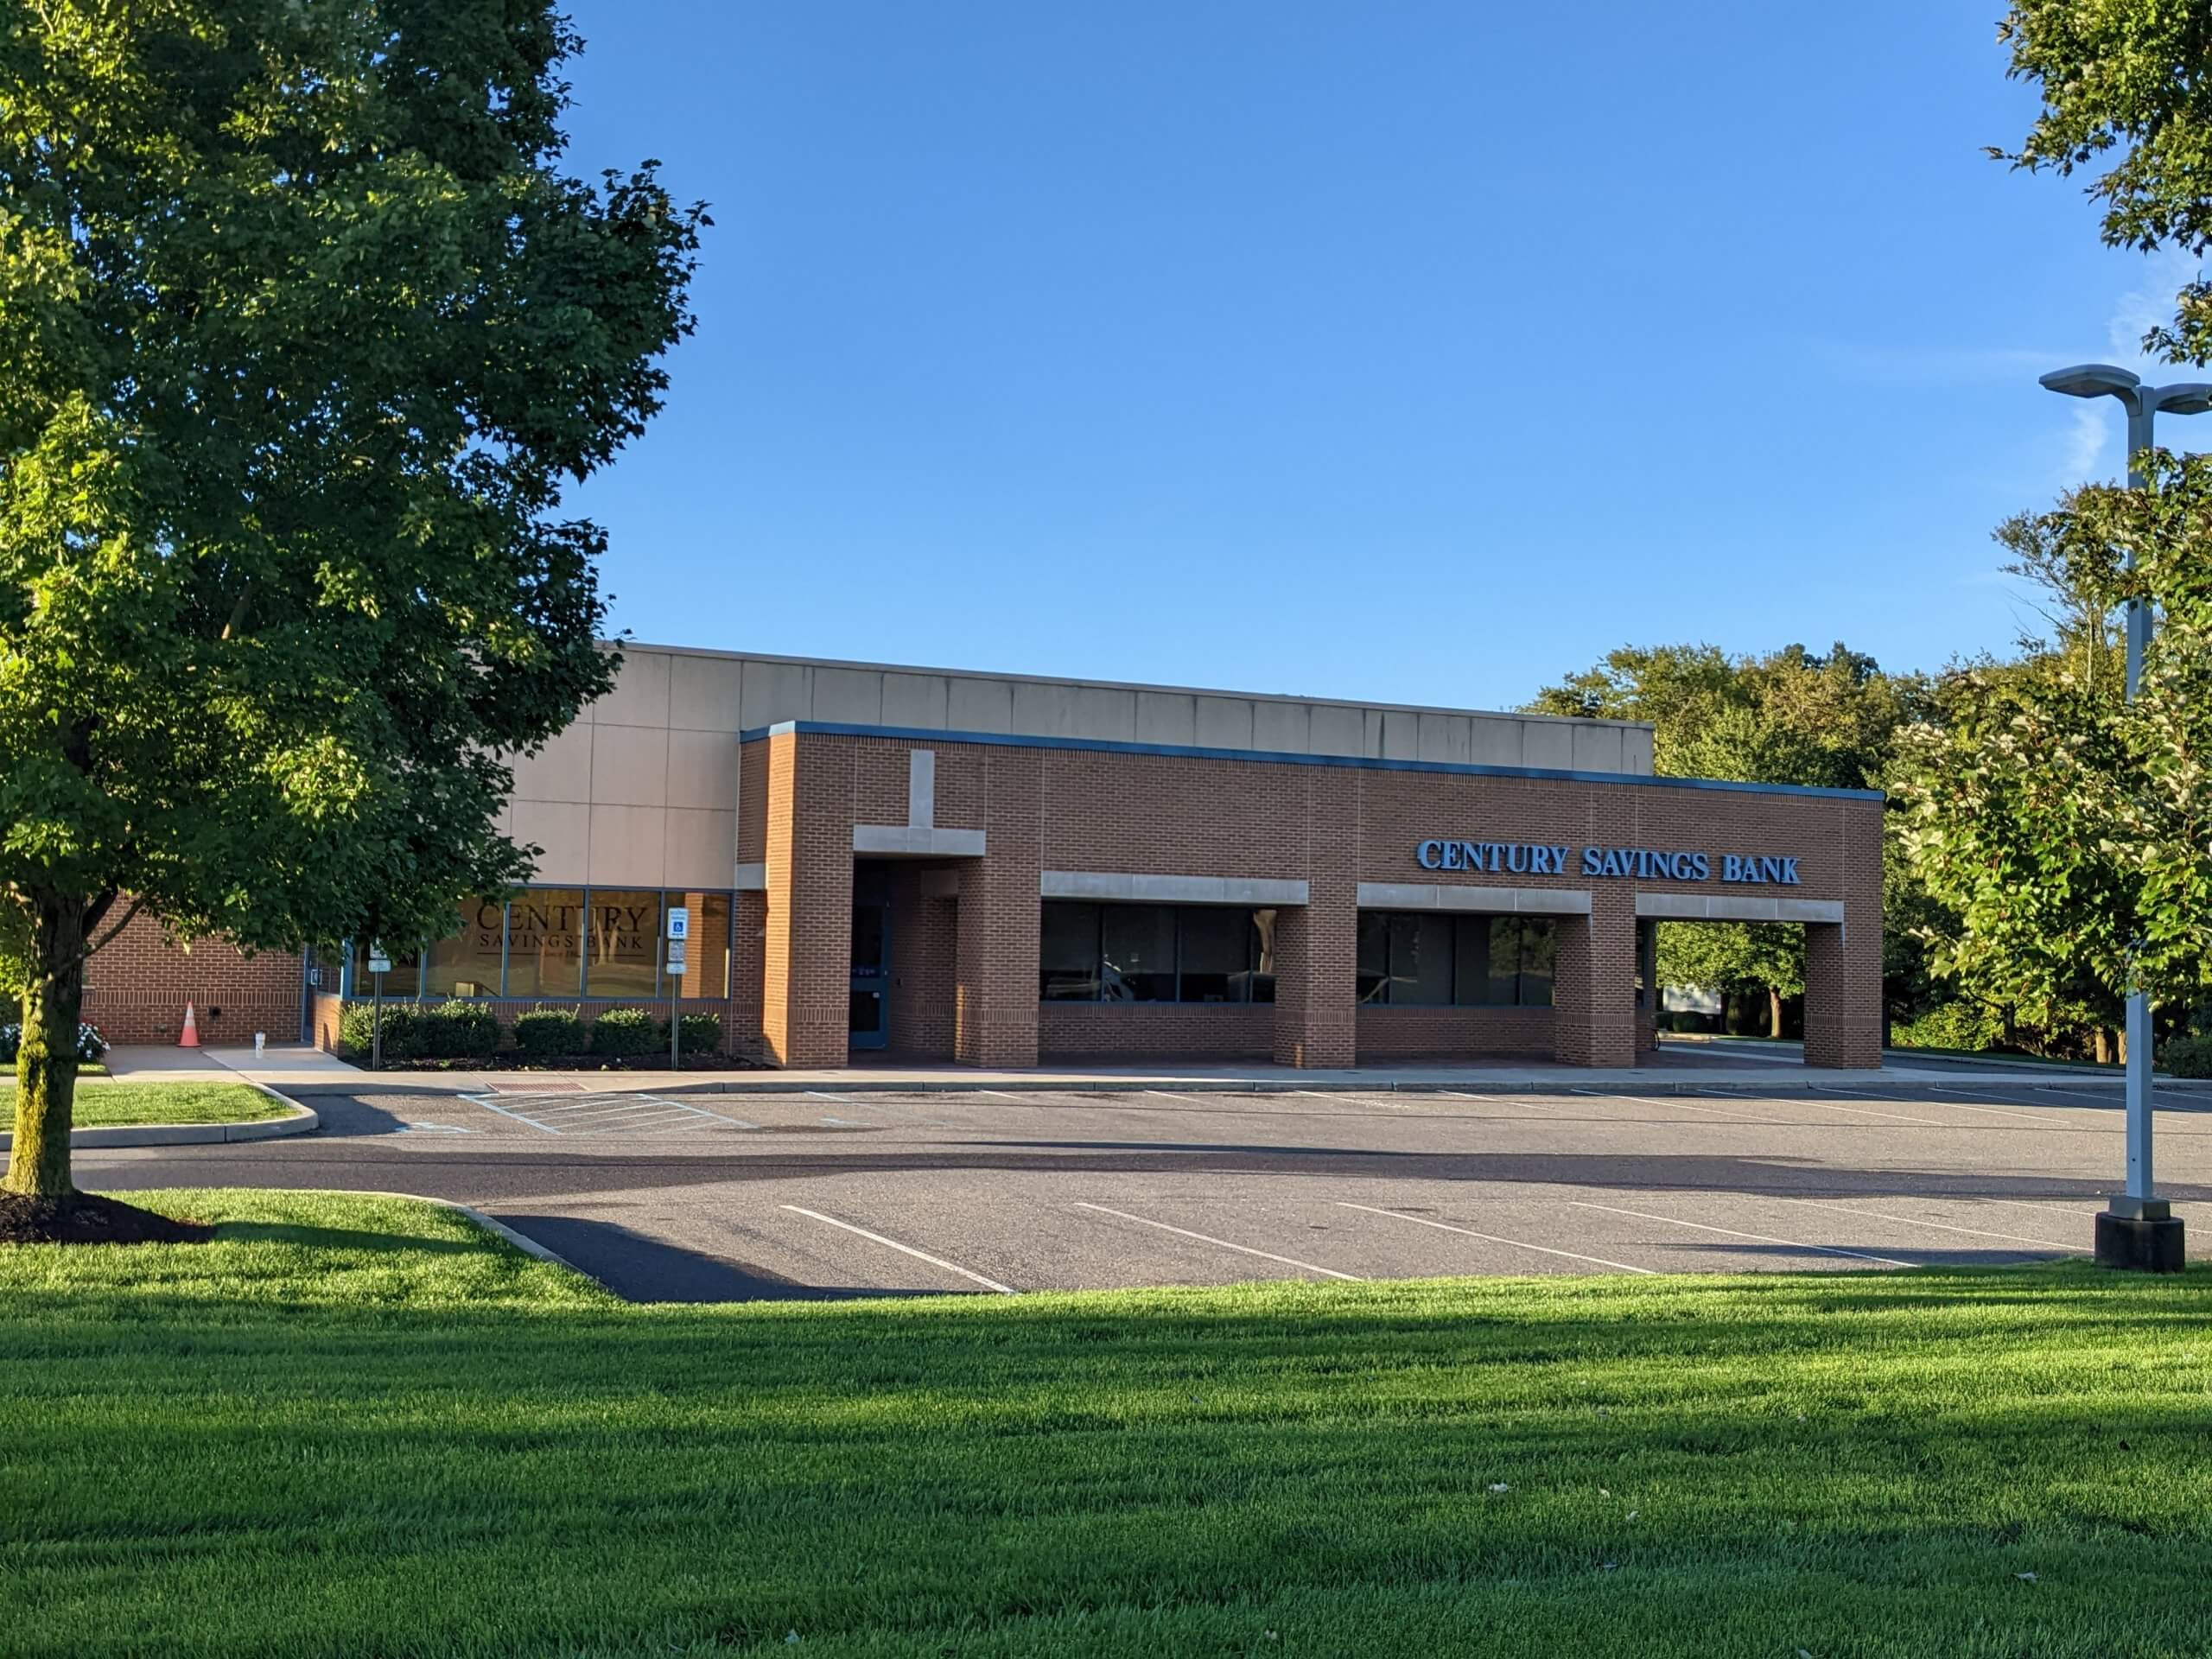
[(405, 1031), (1971, 1026), (458, 1030), (2188, 1056), (621, 1031), (548, 1033), (91, 1045), (702, 1034)]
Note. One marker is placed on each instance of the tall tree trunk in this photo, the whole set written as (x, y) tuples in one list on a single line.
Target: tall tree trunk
[(1773, 1012), (46, 1064), (2100, 1046)]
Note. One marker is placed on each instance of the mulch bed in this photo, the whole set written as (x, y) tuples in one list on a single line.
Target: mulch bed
[(88, 1218)]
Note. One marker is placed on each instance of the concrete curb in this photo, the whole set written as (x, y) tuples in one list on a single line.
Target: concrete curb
[(1598, 1083), (304, 1120)]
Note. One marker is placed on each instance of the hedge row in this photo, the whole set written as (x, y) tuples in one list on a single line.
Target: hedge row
[(470, 1030)]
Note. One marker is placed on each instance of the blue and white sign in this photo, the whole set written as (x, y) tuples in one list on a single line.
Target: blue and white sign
[(1644, 863)]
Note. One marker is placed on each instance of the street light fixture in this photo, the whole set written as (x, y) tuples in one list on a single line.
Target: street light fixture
[(2137, 1230)]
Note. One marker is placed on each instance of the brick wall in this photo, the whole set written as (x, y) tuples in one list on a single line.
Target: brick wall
[(1333, 827), (1141, 1031), (1387, 1033), (138, 984), (925, 965)]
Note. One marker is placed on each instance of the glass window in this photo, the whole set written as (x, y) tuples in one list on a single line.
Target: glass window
[(1420, 961), (1505, 962), (1263, 957), (1470, 968), (1215, 958), (1137, 953), (546, 939), (706, 964), (622, 944), (1373, 953), (1539, 950), (466, 962), (1067, 953)]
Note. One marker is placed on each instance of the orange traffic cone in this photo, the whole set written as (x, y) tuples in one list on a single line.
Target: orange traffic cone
[(190, 1037)]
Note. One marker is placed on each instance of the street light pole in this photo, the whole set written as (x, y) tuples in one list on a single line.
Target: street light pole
[(2138, 1228)]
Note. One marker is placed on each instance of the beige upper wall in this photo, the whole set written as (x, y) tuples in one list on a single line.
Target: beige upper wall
[(642, 788)]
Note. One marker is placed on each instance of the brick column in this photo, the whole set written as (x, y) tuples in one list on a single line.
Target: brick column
[(995, 988), (1317, 982), (1593, 983), (806, 963), (1317, 989), (1843, 962)]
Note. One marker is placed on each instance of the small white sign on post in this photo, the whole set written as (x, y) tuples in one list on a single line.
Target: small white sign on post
[(379, 962), (676, 953), (679, 923)]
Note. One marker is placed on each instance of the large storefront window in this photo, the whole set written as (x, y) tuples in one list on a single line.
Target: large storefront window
[(623, 943), (1422, 959), (545, 943), (1155, 953), (565, 944), (467, 961)]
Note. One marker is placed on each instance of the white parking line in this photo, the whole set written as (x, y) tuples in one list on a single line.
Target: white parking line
[(1646, 1100), (1203, 1238), (1492, 1238), (880, 1105), (1994, 1111), (919, 1255), (1338, 1099), (1956, 1105), (1864, 1112), (1915, 1221), (1506, 1100), (1730, 1232), (625, 1113)]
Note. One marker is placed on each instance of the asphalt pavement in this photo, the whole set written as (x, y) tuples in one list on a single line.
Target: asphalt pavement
[(818, 1193)]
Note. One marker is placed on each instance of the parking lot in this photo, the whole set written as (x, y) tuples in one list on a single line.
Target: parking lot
[(823, 1193)]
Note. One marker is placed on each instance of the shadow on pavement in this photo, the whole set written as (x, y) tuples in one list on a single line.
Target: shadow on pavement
[(642, 1269)]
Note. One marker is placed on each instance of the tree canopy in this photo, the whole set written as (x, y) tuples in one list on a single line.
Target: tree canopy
[(2124, 88), (1792, 716), (2067, 829), (304, 330)]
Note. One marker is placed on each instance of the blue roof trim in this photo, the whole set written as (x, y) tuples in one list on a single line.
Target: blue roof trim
[(1453, 768)]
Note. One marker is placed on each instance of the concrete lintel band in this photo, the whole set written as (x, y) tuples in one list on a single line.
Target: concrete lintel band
[(1493, 901), (1112, 887), (916, 841), (752, 878), (1698, 907)]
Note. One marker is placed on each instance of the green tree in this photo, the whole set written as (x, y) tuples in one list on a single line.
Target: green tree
[(2066, 829), (1793, 716), (2124, 82), (302, 330)]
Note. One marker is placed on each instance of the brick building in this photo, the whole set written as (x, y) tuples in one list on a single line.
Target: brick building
[(939, 865)]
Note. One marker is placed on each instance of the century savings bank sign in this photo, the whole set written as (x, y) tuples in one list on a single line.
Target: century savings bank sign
[(1646, 863)]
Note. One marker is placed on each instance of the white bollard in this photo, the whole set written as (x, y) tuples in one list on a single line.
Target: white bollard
[(260, 1043)]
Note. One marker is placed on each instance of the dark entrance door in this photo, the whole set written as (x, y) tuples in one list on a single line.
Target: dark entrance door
[(870, 1002)]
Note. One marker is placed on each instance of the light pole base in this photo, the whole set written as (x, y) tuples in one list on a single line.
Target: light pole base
[(2141, 1235)]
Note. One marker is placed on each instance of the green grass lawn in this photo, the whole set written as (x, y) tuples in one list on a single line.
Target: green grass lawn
[(106, 1105), (354, 1425)]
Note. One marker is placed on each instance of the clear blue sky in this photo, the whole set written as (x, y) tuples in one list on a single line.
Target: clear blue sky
[(1421, 352)]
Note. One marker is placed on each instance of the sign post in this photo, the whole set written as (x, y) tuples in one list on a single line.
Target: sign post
[(679, 935), (379, 964)]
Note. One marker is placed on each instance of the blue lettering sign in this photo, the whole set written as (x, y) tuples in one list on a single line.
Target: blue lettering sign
[(1644, 863)]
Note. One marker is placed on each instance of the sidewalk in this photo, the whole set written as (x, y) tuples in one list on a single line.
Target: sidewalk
[(292, 1067)]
